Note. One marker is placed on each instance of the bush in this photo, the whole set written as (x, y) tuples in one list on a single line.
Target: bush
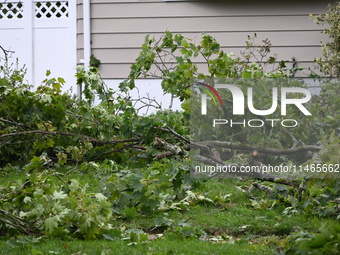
[(329, 64)]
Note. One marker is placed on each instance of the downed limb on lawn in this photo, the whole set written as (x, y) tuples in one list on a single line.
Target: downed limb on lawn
[(246, 147)]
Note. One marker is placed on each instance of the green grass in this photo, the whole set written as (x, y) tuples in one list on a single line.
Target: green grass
[(238, 217), (120, 247), (246, 228)]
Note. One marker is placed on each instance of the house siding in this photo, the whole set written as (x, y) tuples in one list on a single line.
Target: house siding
[(119, 27)]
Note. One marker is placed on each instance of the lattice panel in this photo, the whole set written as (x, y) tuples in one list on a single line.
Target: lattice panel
[(12, 10), (50, 10)]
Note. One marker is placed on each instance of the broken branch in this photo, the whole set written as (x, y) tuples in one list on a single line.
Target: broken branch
[(272, 151), (55, 133)]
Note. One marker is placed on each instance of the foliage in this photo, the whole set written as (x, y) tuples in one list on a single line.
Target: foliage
[(138, 167), (41, 205), (330, 62), (46, 130), (312, 197), (327, 241), (173, 58), (149, 189), (72, 130), (11, 74)]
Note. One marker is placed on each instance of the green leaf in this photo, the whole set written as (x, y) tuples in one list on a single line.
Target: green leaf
[(130, 213), (58, 195), (51, 224)]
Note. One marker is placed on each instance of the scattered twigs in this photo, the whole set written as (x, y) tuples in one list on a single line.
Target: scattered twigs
[(146, 102)]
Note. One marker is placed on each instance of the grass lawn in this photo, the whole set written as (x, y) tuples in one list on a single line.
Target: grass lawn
[(120, 247), (239, 225)]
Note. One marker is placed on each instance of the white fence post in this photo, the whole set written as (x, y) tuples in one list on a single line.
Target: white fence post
[(29, 40), (43, 36)]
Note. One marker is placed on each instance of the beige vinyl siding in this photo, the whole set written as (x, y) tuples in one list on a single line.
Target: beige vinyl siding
[(119, 27)]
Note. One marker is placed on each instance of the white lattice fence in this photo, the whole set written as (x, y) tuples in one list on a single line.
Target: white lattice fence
[(52, 10), (43, 36), (11, 10)]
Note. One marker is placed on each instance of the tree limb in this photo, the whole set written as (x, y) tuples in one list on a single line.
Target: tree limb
[(167, 146), (294, 140), (56, 133), (264, 188), (6, 52), (272, 151), (165, 154), (15, 222), (167, 129), (14, 123)]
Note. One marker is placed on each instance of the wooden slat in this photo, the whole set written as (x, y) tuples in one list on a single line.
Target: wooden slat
[(283, 53), (121, 71), (201, 9), (206, 24), (301, 38), (124, 1), (119, 27)]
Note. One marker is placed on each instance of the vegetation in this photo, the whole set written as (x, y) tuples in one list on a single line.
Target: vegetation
[(79, 178), (330, 62)]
